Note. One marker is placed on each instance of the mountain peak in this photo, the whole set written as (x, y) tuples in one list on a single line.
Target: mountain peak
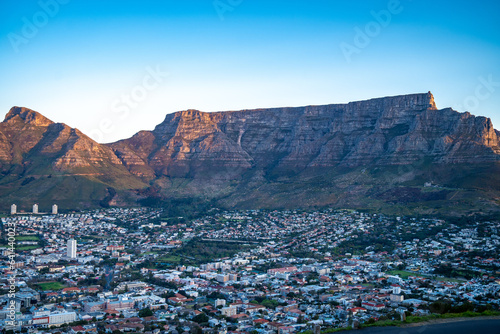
[(27, 116)]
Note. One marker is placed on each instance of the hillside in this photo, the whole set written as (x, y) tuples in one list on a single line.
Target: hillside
[(45, 162), (376, 154)]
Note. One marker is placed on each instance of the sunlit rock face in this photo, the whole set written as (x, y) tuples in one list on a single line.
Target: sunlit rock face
[(26, 136), (302, 156), (384, 131)]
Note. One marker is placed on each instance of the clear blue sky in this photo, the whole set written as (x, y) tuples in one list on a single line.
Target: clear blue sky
[(82, 59)]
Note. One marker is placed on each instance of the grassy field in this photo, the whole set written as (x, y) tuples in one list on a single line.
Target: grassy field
[(448, 279), (27, 238), (404, 274), (149, 253), (171, 259), (51, 286), (27, 248)]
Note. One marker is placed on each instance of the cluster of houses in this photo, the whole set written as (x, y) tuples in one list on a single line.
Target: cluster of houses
[(290, 277)]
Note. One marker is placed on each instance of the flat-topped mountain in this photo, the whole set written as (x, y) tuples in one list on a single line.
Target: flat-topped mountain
[(385, 131), (360, 154)]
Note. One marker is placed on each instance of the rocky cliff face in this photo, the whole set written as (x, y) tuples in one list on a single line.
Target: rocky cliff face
[(42, 160), (27, 135), (360, 154), (379, 132)]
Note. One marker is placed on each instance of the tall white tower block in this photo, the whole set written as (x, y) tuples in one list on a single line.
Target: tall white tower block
[(71, 248)]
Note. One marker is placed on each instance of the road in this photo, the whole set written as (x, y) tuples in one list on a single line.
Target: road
[(459, 327)]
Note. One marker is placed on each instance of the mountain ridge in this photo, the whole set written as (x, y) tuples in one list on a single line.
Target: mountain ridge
[(42, 161), (191, 123), (356, 154)]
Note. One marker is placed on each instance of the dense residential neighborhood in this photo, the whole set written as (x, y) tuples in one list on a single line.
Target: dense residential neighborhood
[(257, 271)]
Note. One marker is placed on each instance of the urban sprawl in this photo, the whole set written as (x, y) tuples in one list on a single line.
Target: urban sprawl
[(138, 270)]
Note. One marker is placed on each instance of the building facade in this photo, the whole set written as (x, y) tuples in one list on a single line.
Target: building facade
[(71, 253)]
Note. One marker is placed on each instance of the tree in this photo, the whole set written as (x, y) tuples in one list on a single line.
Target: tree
[(269, 303), (440, 307), (201, 318), (145, 312), (44, 270), (196, 330)]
